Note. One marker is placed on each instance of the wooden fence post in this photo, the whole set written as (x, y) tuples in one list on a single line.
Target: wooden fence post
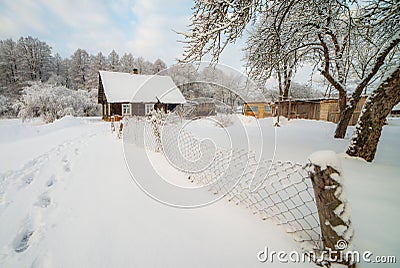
[(325, 173)]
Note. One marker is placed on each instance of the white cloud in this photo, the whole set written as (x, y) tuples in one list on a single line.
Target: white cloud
[(20, 16), (142, 27), (78, 13), (84, 24), (7, 27), (153, 34)]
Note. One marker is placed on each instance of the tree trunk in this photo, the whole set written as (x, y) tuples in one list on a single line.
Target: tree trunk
[(344, 119), (286, 89), (344, 116), (369, 126), (279, 100)]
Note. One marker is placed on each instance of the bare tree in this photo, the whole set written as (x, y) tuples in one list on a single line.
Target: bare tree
[(158, 66), (79, 69), (183, 75), (34, 59), (97, 63), (59, 72), (127, 63), (271, 49), (113, 61), (378, 32), (289, 32), (143, 66), (8, 62)]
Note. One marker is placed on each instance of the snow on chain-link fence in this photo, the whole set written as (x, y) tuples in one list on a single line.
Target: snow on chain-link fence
[(279, 190)]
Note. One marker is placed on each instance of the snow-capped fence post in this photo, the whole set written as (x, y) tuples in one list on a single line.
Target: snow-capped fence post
[(157, 119), (333, 212)]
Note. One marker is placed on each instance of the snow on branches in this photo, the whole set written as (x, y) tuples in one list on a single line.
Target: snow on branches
[(216, 23), (350, 42), (53, 102)]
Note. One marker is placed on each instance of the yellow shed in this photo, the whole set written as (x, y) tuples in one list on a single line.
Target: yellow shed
[(257, 109)]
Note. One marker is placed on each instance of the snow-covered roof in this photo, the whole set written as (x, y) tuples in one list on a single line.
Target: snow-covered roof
[(396, 107), (126, 87)]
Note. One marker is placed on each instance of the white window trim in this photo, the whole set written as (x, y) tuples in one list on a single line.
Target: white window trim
[(148, 107), (129, 109)]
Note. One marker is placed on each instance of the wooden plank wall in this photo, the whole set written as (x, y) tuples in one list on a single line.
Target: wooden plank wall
[(138, 109), (330, 111), (101, 96), (326, 110)]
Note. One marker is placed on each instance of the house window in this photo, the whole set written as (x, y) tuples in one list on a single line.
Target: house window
[(267, 109), (148, 108), (252, 109), (126, 109)]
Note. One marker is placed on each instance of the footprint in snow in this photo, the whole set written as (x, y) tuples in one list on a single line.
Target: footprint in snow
[(43, 201), (51, 181), (21, 241), (28, 178), (28, 172), (67, 166)]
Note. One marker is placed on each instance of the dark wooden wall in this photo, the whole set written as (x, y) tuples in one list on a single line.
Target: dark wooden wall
[(138, 109), (101, 97), (116, 108)]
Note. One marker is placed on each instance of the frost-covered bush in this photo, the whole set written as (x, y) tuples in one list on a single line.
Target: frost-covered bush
[(52, 102), (87, 102), (224, 120), (6, 106)]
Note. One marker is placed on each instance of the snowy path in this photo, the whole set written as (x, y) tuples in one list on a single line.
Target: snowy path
[(67, 200)]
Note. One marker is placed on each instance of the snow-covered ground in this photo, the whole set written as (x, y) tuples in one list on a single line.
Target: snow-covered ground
[(67, 199)]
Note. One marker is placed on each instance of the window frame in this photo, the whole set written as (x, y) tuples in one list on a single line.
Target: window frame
[(146, 110), (252, 108), (126, 111)]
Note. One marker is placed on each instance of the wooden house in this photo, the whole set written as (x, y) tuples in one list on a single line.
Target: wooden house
[(129, 94)]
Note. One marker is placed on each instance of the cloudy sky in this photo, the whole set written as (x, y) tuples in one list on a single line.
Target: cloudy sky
[(142, 27)]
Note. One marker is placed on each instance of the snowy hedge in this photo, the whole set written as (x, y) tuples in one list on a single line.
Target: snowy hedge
[(6, 106), (52, 102)]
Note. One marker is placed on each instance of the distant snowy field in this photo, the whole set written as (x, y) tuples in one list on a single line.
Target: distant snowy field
[(67, 199)]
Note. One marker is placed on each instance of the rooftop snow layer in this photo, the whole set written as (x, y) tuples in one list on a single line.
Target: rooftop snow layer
[(125, 87)]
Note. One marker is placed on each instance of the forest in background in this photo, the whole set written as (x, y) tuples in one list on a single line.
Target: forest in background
[(34, 82)]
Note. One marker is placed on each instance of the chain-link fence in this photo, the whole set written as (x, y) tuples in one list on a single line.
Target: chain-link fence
[(277, 190)]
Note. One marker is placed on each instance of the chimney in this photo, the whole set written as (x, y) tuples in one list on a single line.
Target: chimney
[(135, 71)]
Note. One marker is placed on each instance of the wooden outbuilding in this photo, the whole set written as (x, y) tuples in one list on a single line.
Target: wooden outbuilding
[(199, 107), (257, 109), (130, 94), (317, 109)]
